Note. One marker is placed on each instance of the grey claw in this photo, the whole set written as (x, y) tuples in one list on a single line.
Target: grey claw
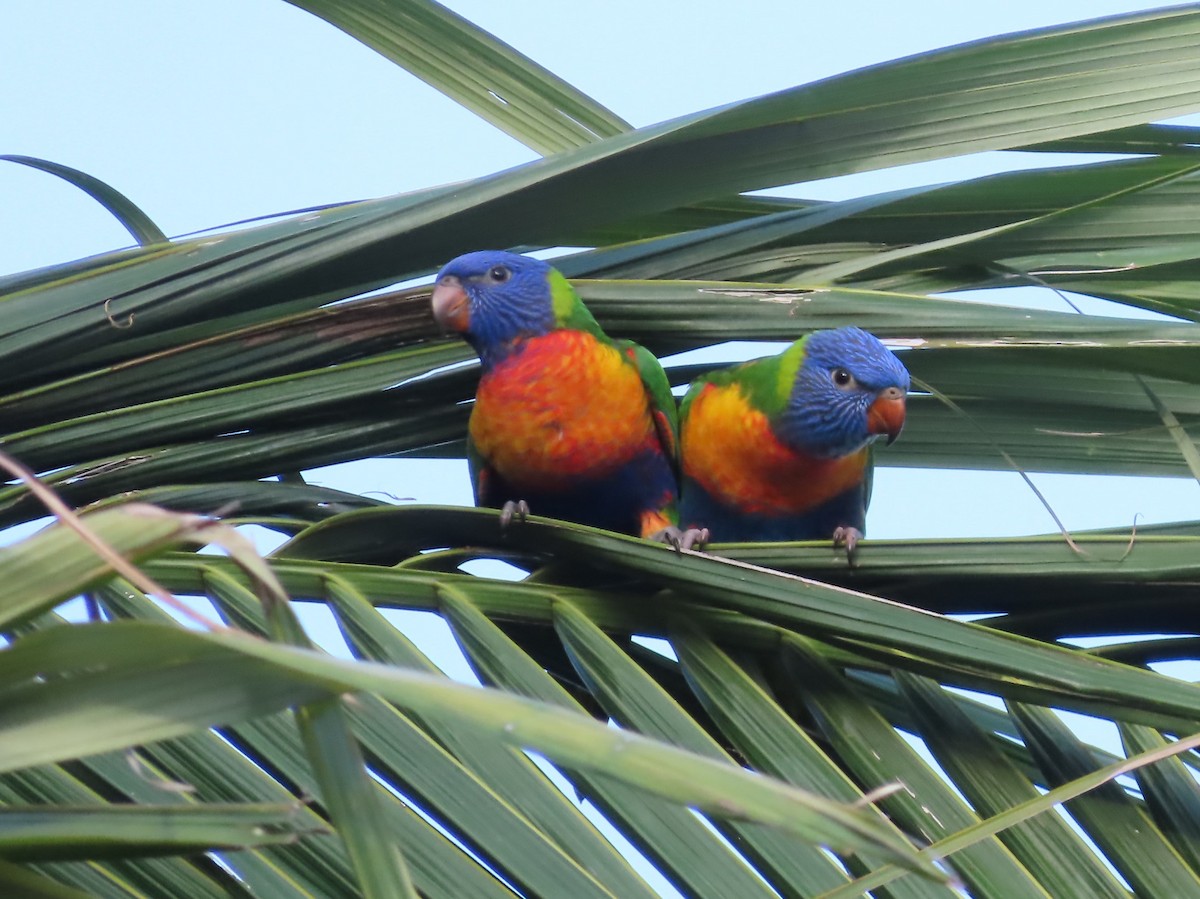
[(692, 538), (518, 510), (696, 538), (847, 537)]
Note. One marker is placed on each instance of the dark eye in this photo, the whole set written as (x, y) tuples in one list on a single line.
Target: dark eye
[(499, 273), (841, 377)]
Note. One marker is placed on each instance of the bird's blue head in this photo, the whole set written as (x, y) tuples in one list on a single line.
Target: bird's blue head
[(493, 298), (849, 390)]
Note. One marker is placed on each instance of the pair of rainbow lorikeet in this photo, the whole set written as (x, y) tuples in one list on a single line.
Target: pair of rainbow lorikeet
[(575, 425)]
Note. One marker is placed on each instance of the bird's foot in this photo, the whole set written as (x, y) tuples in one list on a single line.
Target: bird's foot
[(692, 538), (518, 510), (847, 537)]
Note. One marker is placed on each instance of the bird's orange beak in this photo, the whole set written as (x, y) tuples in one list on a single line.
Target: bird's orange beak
[(886, 414), (451, 307)]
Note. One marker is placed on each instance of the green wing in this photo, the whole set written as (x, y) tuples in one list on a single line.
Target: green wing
[(478, 469), (662, 401)]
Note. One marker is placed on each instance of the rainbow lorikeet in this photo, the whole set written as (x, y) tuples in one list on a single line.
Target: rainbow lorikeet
[(566, 421), (779, 448)]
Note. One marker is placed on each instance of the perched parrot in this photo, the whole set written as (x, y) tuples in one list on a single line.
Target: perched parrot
[(779, 448), (566, 422)]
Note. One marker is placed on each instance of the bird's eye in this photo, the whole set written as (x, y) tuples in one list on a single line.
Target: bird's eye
[(842, 378), (500, 273)]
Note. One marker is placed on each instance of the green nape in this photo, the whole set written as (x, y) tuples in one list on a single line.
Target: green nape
[(569, 311), (766, 383)]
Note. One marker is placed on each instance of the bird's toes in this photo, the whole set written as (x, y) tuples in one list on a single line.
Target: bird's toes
[(847, 537), (670, 535), (692, 538), (695, 538), (518, 509)]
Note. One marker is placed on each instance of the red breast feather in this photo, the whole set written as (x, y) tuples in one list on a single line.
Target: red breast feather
[(562, 407)]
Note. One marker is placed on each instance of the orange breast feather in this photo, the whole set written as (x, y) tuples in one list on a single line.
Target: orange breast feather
[(730, 450), (563, 407)]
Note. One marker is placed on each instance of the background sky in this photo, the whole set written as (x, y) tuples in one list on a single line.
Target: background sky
[(205, 114)]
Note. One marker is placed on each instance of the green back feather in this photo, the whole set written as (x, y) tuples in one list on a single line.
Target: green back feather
[(766, 383)]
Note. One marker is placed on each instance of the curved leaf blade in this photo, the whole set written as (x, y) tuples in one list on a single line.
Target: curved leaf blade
[(476, 69), (136, 222)]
